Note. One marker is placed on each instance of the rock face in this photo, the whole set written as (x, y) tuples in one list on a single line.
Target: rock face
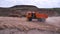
[(22, 9)]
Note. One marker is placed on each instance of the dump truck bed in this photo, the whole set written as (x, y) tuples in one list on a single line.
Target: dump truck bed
[(38, 15)]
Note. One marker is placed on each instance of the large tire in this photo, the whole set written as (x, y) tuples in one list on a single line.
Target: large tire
[(29, 19), (41, 19)]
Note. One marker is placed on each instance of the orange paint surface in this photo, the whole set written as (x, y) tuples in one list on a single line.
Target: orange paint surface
[(38, 15)]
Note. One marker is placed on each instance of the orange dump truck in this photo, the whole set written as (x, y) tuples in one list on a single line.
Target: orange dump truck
[(36, 15)]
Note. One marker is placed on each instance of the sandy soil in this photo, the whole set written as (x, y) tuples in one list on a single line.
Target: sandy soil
[(19, 25)]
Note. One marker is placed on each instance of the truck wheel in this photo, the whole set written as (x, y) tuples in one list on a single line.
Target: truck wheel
[(29, 19), (41, 19)]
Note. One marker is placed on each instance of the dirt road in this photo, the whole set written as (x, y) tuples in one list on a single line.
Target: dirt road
[(14, 25)]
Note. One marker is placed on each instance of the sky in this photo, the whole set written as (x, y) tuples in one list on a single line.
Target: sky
[(38, 3)]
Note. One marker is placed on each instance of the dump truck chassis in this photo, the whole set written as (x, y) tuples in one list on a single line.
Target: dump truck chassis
[(39, 19)]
